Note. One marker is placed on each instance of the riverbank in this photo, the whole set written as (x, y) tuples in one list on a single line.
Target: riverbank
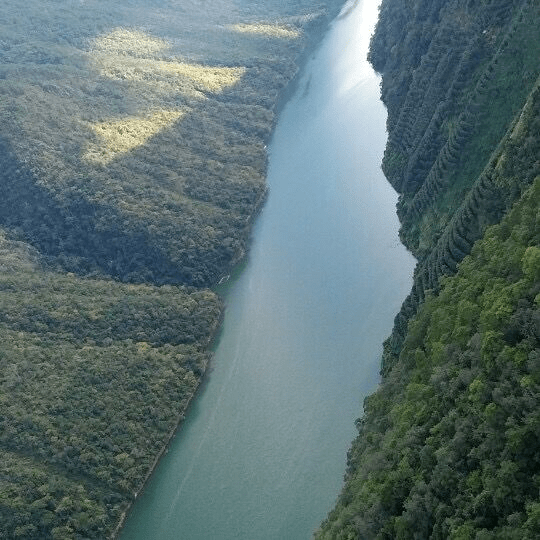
[(174, 431), (249, 461), (314, 33)]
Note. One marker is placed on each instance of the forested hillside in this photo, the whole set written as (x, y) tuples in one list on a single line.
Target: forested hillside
[(133, 137), (449, 446), (132, 161), (95, 375)]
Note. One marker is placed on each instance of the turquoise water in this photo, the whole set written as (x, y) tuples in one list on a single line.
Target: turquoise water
[(262, 453)]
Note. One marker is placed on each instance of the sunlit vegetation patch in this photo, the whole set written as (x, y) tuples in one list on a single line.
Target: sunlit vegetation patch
[(268, 30), (214, 79), (202, 78), (94, 376), (129, 55), (121, 136), (127, 41)]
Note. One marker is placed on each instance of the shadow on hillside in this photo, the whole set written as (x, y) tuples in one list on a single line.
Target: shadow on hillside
[(74, 234)]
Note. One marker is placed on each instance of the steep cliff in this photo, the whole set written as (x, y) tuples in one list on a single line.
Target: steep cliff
[(467, 71), (448, 445)]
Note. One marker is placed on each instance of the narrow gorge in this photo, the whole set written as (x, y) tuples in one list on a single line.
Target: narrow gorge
[(136, 141)]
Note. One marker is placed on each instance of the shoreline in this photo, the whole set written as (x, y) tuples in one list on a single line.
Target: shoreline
[(214, 336), (315, 33)]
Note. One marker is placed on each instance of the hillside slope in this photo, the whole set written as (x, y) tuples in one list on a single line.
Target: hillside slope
[(448, 445), (135, 147), (132, 161)]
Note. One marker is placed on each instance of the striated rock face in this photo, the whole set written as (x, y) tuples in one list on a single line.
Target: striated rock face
[(456, 77), (448, 445)]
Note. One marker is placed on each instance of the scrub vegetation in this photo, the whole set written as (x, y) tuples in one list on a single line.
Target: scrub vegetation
[(448, 446), (132, 161)]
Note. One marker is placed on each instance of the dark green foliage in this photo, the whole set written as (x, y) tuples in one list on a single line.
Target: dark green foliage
[(496, 98), (512, 167), (454, 76), (95, 376), (448, 446), (454, 152)]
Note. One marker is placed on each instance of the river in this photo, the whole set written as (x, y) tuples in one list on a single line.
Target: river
[(262, 453)]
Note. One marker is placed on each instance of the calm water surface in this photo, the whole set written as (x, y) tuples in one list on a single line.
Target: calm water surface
[(261, 455)]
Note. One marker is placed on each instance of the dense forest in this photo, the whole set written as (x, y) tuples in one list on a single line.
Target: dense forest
[(132, 161), (132, 151), (449, 445)]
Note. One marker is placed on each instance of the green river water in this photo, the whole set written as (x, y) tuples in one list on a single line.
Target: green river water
[(262, 452)]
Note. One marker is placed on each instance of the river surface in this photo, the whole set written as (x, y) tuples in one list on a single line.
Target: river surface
[(262, 453)]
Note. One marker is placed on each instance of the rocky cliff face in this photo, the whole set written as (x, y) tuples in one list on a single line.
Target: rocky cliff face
[(448, 445), (457, 78)]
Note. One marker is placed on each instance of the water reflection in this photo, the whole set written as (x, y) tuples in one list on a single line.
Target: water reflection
[(264, 457)]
